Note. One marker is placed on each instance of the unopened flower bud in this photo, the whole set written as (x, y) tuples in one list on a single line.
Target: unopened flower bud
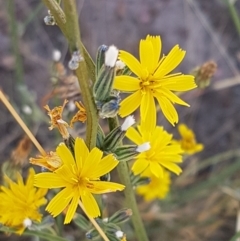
[(100, 58), (92, 234), (111, 228), (116, 135), (121, 216), (128, 152), (108, 109), (204, 73), (103, 86), (100, 137)]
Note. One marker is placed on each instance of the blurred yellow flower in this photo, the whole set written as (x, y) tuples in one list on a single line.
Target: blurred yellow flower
[(158, 187), (80, 178), (153, 80), (19, 203), (188, 141), (162, 154)]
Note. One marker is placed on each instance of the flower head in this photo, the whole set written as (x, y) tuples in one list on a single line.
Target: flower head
[(153, 80), (81, 115), (188, 141), (56, 119), (80, 178), (157, 188), (51, 161), (19, 203), (162, 154)]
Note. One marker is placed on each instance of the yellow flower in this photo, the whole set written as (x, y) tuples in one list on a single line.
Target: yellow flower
[(56, 119), (81, 115), (162, 154), (153, 80), (188, 141), (51, 161), (80, 178), (19, 203), (157, 188)]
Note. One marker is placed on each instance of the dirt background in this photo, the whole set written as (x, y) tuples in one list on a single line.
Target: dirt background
[(204, 28)]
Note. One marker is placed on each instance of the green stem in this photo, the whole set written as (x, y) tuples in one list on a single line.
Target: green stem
[(234, 15), (14, 41), (124, 175), (67, 21)]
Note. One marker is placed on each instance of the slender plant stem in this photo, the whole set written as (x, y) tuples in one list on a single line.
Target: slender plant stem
[(124, 175), (21, 123)]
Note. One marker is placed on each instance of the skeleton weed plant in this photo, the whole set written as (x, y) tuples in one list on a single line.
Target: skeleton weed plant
[(79, 169)]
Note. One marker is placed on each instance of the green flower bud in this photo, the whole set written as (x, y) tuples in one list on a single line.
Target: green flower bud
[(111, 228), (92, 234), (113, 139), (109, 108), (100, 137), (100, 58), (70, 143), (121, 216), (139, 180), (103, 86), (128, 152)]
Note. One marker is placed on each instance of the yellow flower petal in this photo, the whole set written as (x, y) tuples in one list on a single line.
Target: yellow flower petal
[(71, 209), (178, 83), (92, 160), (156, 169), (104, 166), (157, 47), (60, 202), (148, 112), (81, 152), (64, 153), (134, 136), (139, 166), (130, 104), (100, 187), (126, 83), (172, 60), (183, 130), (132, 63), (168, 109), (90, 204), (172, 167), (172, 97), (146, 54), (48, 180)]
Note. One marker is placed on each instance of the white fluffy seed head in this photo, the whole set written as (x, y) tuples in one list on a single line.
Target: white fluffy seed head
[(27, 222), (144, 147), (119, 234), (129, 121), (56, 55), (111, 56)]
